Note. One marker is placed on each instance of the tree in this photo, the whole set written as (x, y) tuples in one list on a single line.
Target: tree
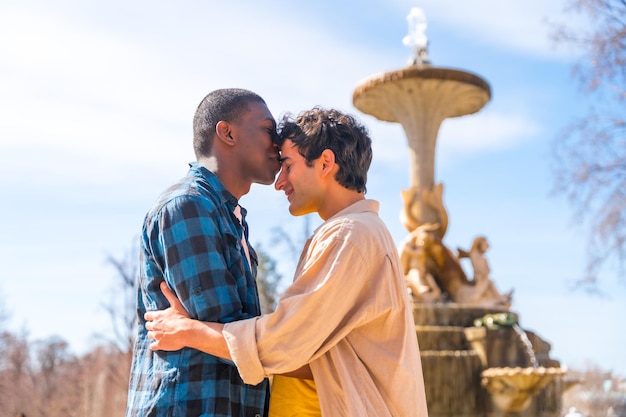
[(104, 392), (268, 279), (17, 380), (114, 369), (597, 392), (590, 154), (121, 307), (57, 378)]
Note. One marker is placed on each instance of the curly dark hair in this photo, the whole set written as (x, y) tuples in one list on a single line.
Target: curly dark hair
[(315, 130), (227, 104)]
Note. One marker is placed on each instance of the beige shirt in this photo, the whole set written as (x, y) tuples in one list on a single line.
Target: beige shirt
[(348, 315)]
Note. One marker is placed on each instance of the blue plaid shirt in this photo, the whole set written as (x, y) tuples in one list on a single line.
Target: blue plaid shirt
[(192, 240)]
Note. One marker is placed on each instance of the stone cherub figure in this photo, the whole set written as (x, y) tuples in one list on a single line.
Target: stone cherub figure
[(414, 259), (434, 273), (485, 289)]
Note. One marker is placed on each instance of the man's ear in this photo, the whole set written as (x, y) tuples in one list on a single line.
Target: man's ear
[(223, 133), (327, 159)]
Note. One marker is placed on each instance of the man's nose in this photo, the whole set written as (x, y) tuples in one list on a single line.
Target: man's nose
[(280, 180)]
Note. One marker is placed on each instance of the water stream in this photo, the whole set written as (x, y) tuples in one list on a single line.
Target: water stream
[(526, 342)]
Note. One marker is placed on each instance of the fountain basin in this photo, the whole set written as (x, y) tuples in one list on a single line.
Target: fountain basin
[(512, 389), (421, 87)]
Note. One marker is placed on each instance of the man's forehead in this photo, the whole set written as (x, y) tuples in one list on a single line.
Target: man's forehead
[(259, 111), (288, 147), (288, 151)]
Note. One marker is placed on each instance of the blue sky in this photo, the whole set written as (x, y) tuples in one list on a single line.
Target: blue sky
[(96, 103)]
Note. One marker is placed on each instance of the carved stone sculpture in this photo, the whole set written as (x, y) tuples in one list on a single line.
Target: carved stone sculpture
[(419, 201), (414, 261), (434, 273), (485, 290)]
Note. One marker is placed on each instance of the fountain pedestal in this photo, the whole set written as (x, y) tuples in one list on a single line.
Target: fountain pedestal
[(483, 372)]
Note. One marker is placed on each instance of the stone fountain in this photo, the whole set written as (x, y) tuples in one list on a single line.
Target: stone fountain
[(477, 360)]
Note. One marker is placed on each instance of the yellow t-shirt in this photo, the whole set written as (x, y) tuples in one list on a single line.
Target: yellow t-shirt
[(293, 397)]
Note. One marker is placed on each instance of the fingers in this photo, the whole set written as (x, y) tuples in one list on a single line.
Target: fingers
[(155, 336), (173, 300), (150, 324), (159, 341), (169, 294), (148, 316), (160, 324), (154, 345), (153, 331), (152, 315)]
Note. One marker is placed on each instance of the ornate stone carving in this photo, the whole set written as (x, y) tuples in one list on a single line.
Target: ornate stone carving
[(434, 273)]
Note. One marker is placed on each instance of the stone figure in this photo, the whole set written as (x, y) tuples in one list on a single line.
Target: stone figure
[(434, 273), (485, 291), (414, 260), (417, 202)]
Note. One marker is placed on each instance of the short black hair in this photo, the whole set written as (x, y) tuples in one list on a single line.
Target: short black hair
[(227, 104)]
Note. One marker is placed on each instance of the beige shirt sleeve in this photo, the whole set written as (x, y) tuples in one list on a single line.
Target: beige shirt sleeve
[(244, 355)]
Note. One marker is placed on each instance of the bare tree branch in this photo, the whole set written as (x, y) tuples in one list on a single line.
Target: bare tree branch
[(590, 153)]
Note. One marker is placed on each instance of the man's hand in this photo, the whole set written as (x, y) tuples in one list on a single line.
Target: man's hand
[(168, 328)]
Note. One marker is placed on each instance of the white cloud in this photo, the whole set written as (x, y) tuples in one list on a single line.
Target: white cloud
[(80, 87)]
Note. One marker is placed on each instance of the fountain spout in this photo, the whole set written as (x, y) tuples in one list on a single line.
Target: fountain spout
[(527, 345), (416, 38)]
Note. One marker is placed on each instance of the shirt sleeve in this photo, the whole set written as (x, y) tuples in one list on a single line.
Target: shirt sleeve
[(200, 256)]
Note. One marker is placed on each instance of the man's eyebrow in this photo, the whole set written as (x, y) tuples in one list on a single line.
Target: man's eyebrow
[(282, 159), (272, 121)]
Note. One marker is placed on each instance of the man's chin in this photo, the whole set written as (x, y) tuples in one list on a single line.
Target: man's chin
[(295, 211)]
